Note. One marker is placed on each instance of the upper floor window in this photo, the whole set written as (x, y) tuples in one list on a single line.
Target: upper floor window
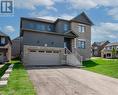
[(81, 44), (49, 28), (43, 27), (29, 25), (109, 47), (2, 40), (81, 28), (95, 47), (65, 27), (40, 27)]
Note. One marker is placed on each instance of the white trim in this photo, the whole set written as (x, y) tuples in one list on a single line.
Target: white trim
[(75, 43), (81, 39)]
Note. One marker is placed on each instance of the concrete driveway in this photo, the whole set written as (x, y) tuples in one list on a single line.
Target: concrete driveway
[(71, 81)]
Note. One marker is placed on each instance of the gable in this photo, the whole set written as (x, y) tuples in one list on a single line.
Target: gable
[(82, 18)]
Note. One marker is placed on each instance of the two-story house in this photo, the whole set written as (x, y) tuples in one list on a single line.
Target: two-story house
[(110, 50), (97, 47), (5, 48), (46, 42)]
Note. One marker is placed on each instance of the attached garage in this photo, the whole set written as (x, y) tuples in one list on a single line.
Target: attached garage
[(42, 56)]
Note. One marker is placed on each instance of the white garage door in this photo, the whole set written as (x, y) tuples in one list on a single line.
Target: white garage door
[(42, 57)]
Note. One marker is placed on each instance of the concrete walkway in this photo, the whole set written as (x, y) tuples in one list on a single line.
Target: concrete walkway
[(72, 81)]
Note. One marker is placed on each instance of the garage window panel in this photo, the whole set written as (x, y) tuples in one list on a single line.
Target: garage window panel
[(41, 51), (55, 51), (48, 51), (32, 50)]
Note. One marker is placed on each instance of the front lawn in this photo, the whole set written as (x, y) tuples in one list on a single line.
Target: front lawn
[(18, 83), (107, 67)]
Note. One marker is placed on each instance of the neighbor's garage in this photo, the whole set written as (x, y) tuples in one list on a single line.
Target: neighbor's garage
[(42, 57)]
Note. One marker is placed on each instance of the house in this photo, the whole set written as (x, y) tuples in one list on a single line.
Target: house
[(46, 42), (15, 48), (110, 50), (97, 47), (5, 48)]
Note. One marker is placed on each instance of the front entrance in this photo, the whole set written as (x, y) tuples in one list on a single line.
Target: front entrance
[(67, 43)]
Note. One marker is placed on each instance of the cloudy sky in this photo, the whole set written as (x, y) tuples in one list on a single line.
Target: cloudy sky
[(103, 13)]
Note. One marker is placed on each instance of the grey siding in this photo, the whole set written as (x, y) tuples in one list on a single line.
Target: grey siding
[(60, 26), (86, 53), (40, 39)]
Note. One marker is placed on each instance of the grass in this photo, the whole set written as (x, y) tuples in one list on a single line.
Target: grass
[(107, 67), (18, 83)]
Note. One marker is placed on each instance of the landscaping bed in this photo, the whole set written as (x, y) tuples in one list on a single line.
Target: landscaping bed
[(18, 82), (104, 66)]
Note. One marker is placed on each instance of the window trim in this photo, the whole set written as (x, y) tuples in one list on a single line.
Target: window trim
[(65, 27), (80, 42), (82, 26)]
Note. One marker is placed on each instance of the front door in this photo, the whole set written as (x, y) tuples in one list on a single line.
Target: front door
[(67, 43)]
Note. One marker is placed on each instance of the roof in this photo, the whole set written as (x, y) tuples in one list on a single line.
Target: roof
[(39, 19), (100, 43), (67, 34), (3, 34), (72, 33), (82, 18), (112, 44)]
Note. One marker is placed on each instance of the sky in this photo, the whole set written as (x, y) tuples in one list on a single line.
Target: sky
[(103, 13)]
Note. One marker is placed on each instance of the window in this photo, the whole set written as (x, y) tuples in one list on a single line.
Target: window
[(32, 50), (108, 54), (49, 28), (81, 44), (42, 27), (109, 47), (41, 51), (55, 51), (38, 27), (48, 51), (96, 48), (29, 26), (81, 28), (65, 27), (2, 40)]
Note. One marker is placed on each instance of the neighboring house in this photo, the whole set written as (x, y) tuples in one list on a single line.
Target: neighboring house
[(110, 50), (15, 47), (5, 48), (97, 47), (44, 41)]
